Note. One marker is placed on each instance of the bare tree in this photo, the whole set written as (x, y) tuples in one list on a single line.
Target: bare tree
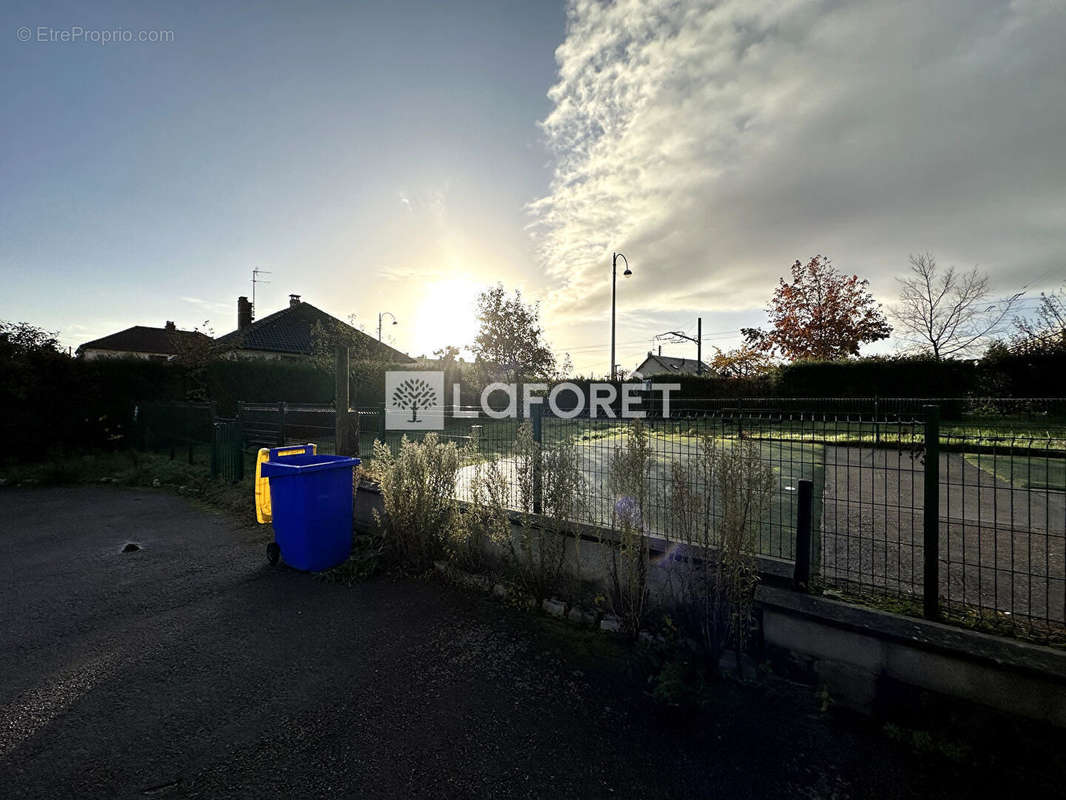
[(947, 312), (1046, 329)]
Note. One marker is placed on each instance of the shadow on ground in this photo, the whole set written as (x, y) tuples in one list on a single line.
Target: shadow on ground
[(189, 668)]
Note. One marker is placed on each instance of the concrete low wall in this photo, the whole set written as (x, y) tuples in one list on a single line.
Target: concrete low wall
[(854, 652), (858, 653), (589, 546)]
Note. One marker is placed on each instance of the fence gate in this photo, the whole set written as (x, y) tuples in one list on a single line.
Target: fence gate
[(227, 450)]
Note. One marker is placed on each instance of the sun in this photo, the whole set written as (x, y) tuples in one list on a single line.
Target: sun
[(446, 315)]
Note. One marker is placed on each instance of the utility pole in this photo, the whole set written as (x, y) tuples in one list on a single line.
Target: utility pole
[(676, 336), (699, 345)]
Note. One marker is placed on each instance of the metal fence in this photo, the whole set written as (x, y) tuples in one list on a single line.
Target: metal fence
[(887, 489), (993, 410), (178, 428), (958, 525)]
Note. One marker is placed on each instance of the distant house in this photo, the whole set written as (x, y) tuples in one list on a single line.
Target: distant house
[(658, 364), (154, 344), (288, 334)]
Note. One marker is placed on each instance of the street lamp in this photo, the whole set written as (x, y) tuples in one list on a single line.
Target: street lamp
[(384, 314), (614, 285)]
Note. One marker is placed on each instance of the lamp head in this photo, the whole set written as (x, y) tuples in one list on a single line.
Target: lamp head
[(628, 272), (394, 322)]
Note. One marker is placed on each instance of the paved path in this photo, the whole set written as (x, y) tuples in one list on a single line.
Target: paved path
[(191, 669), (1002, 547)]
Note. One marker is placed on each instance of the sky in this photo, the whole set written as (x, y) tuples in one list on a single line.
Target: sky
[(402, 156)]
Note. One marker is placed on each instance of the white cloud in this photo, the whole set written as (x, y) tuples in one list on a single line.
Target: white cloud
[(207, 305), (714, 143)]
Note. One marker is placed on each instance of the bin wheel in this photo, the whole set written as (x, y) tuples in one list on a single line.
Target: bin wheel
[(273, 553)]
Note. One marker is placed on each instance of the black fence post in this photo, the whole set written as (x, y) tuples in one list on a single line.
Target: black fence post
[(801, 575), (536, 412), (877, 420), (281, 424), (238, 449), (342, 432), (216, 434), (186, 416), (931, 515)]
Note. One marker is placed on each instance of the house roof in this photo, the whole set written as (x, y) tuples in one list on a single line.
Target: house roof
[(290, 331), (669, 365), (142, 339)]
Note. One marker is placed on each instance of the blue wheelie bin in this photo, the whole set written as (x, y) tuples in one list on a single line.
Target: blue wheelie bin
[(311, 506)]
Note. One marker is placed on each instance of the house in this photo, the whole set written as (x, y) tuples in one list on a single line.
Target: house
[(658, 364), (288, 334), (140, 341)]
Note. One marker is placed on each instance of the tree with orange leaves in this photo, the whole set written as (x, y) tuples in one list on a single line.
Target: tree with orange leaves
[(822, 315)]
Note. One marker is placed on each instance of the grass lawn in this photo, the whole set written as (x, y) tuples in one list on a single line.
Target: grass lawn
[(497, 436), (135, 468), (1023, 472)]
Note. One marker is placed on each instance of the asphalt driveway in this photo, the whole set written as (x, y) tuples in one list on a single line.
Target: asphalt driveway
[(189, 668)]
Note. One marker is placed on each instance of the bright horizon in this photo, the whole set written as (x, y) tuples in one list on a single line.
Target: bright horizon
[(402, 158)]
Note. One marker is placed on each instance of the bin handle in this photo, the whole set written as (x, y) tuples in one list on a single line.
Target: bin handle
[(294, 450)]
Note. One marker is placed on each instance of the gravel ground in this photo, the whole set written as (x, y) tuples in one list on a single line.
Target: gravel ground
[(189, 668)]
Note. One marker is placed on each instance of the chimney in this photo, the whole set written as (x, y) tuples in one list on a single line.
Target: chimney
[(244, 313), (170, 326), (294, 300)]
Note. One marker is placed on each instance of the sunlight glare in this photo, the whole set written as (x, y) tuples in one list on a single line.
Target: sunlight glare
[(446, 315)]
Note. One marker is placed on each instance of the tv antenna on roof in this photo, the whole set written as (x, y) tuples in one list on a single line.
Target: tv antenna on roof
[(256, 272)]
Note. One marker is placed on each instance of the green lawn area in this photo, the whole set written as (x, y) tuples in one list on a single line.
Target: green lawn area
[(497, 436), (1023, 472), (143, 469)]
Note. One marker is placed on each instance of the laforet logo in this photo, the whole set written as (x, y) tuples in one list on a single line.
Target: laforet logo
[(414, 400), (414, 393)]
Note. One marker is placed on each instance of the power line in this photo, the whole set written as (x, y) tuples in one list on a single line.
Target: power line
[(646, 341)]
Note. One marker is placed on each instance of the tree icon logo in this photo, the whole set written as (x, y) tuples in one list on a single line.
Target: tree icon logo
[(414, 393), (414, 400)]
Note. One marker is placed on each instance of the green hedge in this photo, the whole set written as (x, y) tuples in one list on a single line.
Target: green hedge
[(47, 399), (1000, 373), (884, 377), (1035, 374)]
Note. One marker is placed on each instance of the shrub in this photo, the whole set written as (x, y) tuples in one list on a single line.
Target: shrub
[(627, 560), (418, 489), (718, 502), (537, 554), (564, 497), (484, 523)]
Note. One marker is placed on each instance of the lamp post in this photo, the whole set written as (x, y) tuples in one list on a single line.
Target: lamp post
[(384, 314), (614, 289)]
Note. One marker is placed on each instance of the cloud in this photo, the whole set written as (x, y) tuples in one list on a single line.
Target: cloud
[(206, 305), (714, 143)]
